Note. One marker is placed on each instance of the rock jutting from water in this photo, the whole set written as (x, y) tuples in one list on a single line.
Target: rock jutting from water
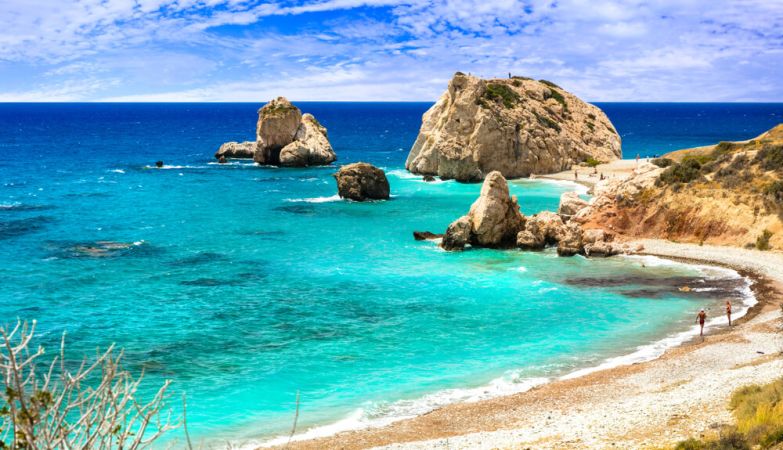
[(493, 221), (284, 137), (516, 126), (361, 181)]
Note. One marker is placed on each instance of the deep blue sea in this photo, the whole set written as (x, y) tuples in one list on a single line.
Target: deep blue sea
[(245, 285)]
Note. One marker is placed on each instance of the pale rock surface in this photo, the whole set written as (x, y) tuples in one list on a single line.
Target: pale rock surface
[(284, 137), (236, 150), (516, 126), (570, 204), (494, 219), (310, 147)]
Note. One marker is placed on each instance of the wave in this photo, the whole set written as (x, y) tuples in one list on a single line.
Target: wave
[(117, 171), (167, 167), (379, 415), (331, 198), (404, 174)]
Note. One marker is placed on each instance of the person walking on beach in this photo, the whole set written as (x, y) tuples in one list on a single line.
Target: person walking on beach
[(728, 311), (700, 318), (576, 175)]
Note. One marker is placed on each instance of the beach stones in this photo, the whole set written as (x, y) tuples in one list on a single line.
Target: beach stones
[(361, 181), (493, 221)]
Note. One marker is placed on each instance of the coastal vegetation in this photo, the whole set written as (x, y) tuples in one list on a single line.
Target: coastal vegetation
[(758, 412), (592, 162), (501, 92), (66, 404)]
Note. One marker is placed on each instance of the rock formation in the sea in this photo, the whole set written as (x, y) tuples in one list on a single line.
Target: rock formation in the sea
[(361, 181), (570, 204), (284, 137), (516, 126), (426, 236), (727, 194), (493, 221), (238, 150)]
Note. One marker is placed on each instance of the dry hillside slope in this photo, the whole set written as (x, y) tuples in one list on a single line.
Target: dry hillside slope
[(727, 194)]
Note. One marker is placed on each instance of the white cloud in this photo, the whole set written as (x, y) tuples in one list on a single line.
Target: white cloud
[(388, 49)]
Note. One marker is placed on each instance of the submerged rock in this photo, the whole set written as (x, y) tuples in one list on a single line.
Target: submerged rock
[(425, 236), (493, 221), (284, 137), (361, 181), (236, 150), (515, 126)]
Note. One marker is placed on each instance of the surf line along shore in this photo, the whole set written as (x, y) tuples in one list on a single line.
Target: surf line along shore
[(683, 393)]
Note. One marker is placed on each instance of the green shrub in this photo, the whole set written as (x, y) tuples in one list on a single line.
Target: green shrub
[(590, 125), (548, 122), (662, 162), (774, 192), (497, 91), (687, 171), (592, 162), (762, 243), (591, 116), (690, 444), (558, 98), (775, 437), (550, 84), (771, 157), (517, 77)]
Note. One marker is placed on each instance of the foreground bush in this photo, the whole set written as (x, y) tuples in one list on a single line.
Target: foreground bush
[(758, 411), (61, 406)]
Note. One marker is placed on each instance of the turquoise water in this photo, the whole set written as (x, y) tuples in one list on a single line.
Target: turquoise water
[(245, 285)]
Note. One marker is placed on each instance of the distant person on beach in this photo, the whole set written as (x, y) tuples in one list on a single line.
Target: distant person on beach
[(728, 311), (576, 175), (701, 317), (637, 160)]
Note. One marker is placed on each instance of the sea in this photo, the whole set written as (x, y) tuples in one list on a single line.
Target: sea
[(263, 296)]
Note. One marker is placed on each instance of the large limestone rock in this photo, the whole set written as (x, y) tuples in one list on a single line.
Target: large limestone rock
[(236, 150), (570, 204), (362, 181), (278, 122), (493, 221), (515, 126), (310, 146), (284, 137)]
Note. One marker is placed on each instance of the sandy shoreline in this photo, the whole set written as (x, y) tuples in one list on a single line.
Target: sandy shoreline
[(683, 393)]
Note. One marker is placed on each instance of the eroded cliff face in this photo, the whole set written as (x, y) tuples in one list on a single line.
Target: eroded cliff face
[(727, 194), (516, 126)]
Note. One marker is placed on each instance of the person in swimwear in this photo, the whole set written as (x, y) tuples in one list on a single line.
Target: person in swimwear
[(700, 318), (728, 311)]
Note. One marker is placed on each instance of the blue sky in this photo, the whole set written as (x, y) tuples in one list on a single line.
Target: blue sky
[(407, 50)]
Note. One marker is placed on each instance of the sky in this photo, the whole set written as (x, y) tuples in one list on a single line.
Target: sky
[(386, 50)]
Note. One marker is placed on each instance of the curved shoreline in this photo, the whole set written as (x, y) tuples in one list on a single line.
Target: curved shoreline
[(400, 431)]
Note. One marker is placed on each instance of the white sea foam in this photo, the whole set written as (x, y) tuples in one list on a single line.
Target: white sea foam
[(380, 415), (403, 174), (522, 269), (117, 171), (331, 198), (167, 167)]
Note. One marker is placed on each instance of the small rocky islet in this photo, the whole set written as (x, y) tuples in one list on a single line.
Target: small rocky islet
[(284, 137)]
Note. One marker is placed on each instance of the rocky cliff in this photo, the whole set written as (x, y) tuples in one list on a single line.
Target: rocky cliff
[(284, 137), (726, 194), (517, 126)]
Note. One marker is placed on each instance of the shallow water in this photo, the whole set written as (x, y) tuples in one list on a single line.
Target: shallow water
[(245, 285)]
